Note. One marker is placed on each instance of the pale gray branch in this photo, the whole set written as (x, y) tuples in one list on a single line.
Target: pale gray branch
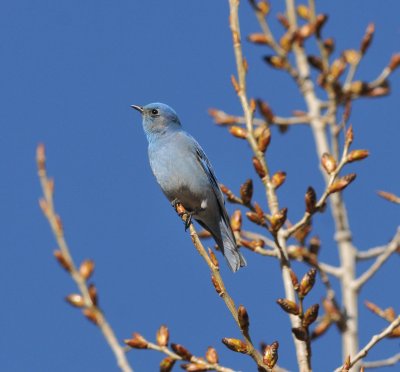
[(383, 362)]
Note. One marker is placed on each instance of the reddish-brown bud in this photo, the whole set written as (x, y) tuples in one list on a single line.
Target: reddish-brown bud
[(295, 281), (288, 306), (389, 196), (311, 200), (352, 56), (258, 167), (329, 45), (347, 364), (236, 220), (314, 245), (307, 282), (255, 218), (181, 351), (306, 31), (41, 157), (310, 315), (264, 7), (86, 269), (91, 315), (278, 219), (349, 136), (331, 309), (236, 345), (137, 342), (356, 155), (235, 84), (243, 318), (167, 364), (320, 22), (238, 132), (341, 183), (162, 336), (283, 20), (337, 68), (246, 191), (212, 355), (93, 294), (264, 139), (270, 356), (62, 260), (328, 162), (321, 327), (367, 39), (265, 110), (286, 41), (358, 88), (217, 286), (300, 333), (315, 62), (257, 38), (213, 258), (394, 62), (278, 179), (75, 300), (277, 62)]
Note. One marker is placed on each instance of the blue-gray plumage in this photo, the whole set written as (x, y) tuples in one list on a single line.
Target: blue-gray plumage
[(184, 173)]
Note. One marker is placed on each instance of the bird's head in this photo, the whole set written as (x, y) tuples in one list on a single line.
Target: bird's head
[(158, 118)]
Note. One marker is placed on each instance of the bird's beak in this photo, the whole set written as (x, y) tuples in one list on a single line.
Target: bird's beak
[(139, 108)]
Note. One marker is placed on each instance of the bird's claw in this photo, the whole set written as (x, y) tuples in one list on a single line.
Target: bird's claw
[(180, 209)]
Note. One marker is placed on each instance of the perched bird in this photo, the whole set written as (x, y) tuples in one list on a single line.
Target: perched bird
[(186, 176)]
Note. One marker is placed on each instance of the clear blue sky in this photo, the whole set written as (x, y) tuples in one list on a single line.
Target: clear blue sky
[(70, 70)]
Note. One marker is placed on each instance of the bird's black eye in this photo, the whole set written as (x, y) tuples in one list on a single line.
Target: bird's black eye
[(154, 112)]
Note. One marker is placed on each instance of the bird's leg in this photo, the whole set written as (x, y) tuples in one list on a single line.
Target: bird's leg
[(180, 209)]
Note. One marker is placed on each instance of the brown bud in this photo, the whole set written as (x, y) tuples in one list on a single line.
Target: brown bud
[(167, 364), (265, 110), (221, 117), (75, 300), (229, 194), (394, 62), (347, 364), (307, 282), (255, 218), (264, 139), (263, 7), (321, 327), (212, 355), (258, 167), (395, 333), (236, 220), (213, 258), (328, 162), (41, 157), (331, 309), (378, 91), (162, 336), (306, 30), (329, 45), (358, 88), (86, 269), (294, 279), (300, 333), (278, 179), (277, 62), (44, 206), (283, 20), (315, 245), (374, 308), (246, 191), (349, 136), (62, 260), (356, 155), (93, 294), (278, 219), (367, 39), (216, 285), (337, 68), (259, 39), (352, 56), (341, 183), (303, 11), (181, 351), (236, 345), (320, 22), (204, 234), (311, 200), (286, 41), (243, 318), (91, 315), (315, 62), (389, 196), (235, 84), (238, 132), (288, 306), (245, 64), (137, 342), (270, 356), (310, 315)]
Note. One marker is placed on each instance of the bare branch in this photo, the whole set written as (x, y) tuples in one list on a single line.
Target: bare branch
[(381, 259), (383, 363)]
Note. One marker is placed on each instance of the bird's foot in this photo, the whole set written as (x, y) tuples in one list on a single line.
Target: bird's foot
[(182, 213)]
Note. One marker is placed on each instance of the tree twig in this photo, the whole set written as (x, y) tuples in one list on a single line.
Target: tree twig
[(94, 313), (382, 363)]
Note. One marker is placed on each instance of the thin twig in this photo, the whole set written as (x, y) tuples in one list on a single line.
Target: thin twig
[(47, 205), (371, 253), (374, 340), (383, 363), (392, 247)]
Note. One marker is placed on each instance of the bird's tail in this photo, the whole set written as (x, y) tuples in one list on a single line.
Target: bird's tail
[(227, 244)]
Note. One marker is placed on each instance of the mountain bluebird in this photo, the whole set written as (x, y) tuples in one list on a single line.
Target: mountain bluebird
[(186, 176)]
